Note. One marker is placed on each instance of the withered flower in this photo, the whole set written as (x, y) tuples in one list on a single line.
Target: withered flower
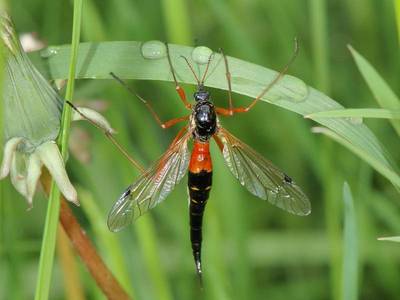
[(32, 118)]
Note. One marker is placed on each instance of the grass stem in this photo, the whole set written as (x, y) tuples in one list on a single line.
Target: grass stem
[(53, 209)]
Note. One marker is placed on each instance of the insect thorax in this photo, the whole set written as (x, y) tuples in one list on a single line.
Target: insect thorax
[(204, 120)]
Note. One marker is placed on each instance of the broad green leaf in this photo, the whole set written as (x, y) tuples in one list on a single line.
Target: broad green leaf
[(358, 113), (350, 248), (363, 153), (97, 60), (383, 94)]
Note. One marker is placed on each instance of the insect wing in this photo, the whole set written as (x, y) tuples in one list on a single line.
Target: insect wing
[(152, 187), (261, 177)]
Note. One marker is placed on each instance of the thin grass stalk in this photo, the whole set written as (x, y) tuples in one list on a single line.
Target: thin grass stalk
[(177, 21), (350, 248), (397, 12), (318, 12), (332, 215), (2, 67), (52, 215)]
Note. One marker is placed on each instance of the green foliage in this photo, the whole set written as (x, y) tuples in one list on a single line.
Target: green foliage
[(251, 249)]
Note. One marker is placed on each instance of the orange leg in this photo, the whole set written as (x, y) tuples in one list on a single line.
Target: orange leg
[(178, 88), (231, 110)]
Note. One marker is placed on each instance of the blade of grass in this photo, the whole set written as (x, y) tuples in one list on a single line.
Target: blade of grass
[(320, 43), (332, 212), (92, 25), (97, 59), (379, 113), (387, 172), (397, 12), (2, 67), (53, 210), (177, 21), (390, 238), (383, 94), (350, 248)]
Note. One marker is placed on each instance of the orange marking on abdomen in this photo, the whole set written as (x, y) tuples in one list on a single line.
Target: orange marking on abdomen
[(201, 158)]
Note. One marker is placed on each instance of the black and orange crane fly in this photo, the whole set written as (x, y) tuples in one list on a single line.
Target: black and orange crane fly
[(258, 175)]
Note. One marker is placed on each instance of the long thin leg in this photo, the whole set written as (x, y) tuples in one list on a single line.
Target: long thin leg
[(110, 137), (228, 79), (163, 125), (178, 88), (231, 110)]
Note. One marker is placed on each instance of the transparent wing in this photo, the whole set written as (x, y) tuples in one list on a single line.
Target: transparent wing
[(260, 176), (153, 186)]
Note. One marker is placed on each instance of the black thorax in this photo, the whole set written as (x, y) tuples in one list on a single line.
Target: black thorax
[(205, 120)]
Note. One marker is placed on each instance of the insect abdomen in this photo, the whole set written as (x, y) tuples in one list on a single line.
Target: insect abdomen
[(200, 180)]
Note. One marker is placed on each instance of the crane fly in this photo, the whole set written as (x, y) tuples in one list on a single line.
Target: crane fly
[(258, 175)]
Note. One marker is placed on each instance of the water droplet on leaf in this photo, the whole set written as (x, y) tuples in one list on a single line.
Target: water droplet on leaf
[(48, 52), (201, 55), (356, 120), (154, 49)]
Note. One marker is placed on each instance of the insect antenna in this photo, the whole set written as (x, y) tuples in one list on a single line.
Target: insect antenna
[(284, 70), (126, 86), (207, 67), (191, 69)]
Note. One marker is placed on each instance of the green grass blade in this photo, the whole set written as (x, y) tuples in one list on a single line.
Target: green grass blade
[(48, 245), (125, 59), (362, 153), (177, 20), (318, 13), (350, 248), (391, 239), (379, 113), (383, 94), (53, 209), (397, 12)]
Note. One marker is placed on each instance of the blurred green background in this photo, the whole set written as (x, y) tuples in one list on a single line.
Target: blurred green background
[(251, 249)]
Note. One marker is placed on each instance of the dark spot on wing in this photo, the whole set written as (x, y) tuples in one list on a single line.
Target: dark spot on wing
[(127, 192), (287, 179)]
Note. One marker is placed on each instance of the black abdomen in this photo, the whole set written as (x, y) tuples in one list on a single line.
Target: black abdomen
[(199, 190)]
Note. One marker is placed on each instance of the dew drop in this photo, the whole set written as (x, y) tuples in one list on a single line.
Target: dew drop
[(48, 52), (154, 49), (356, 120), (201, 55)]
